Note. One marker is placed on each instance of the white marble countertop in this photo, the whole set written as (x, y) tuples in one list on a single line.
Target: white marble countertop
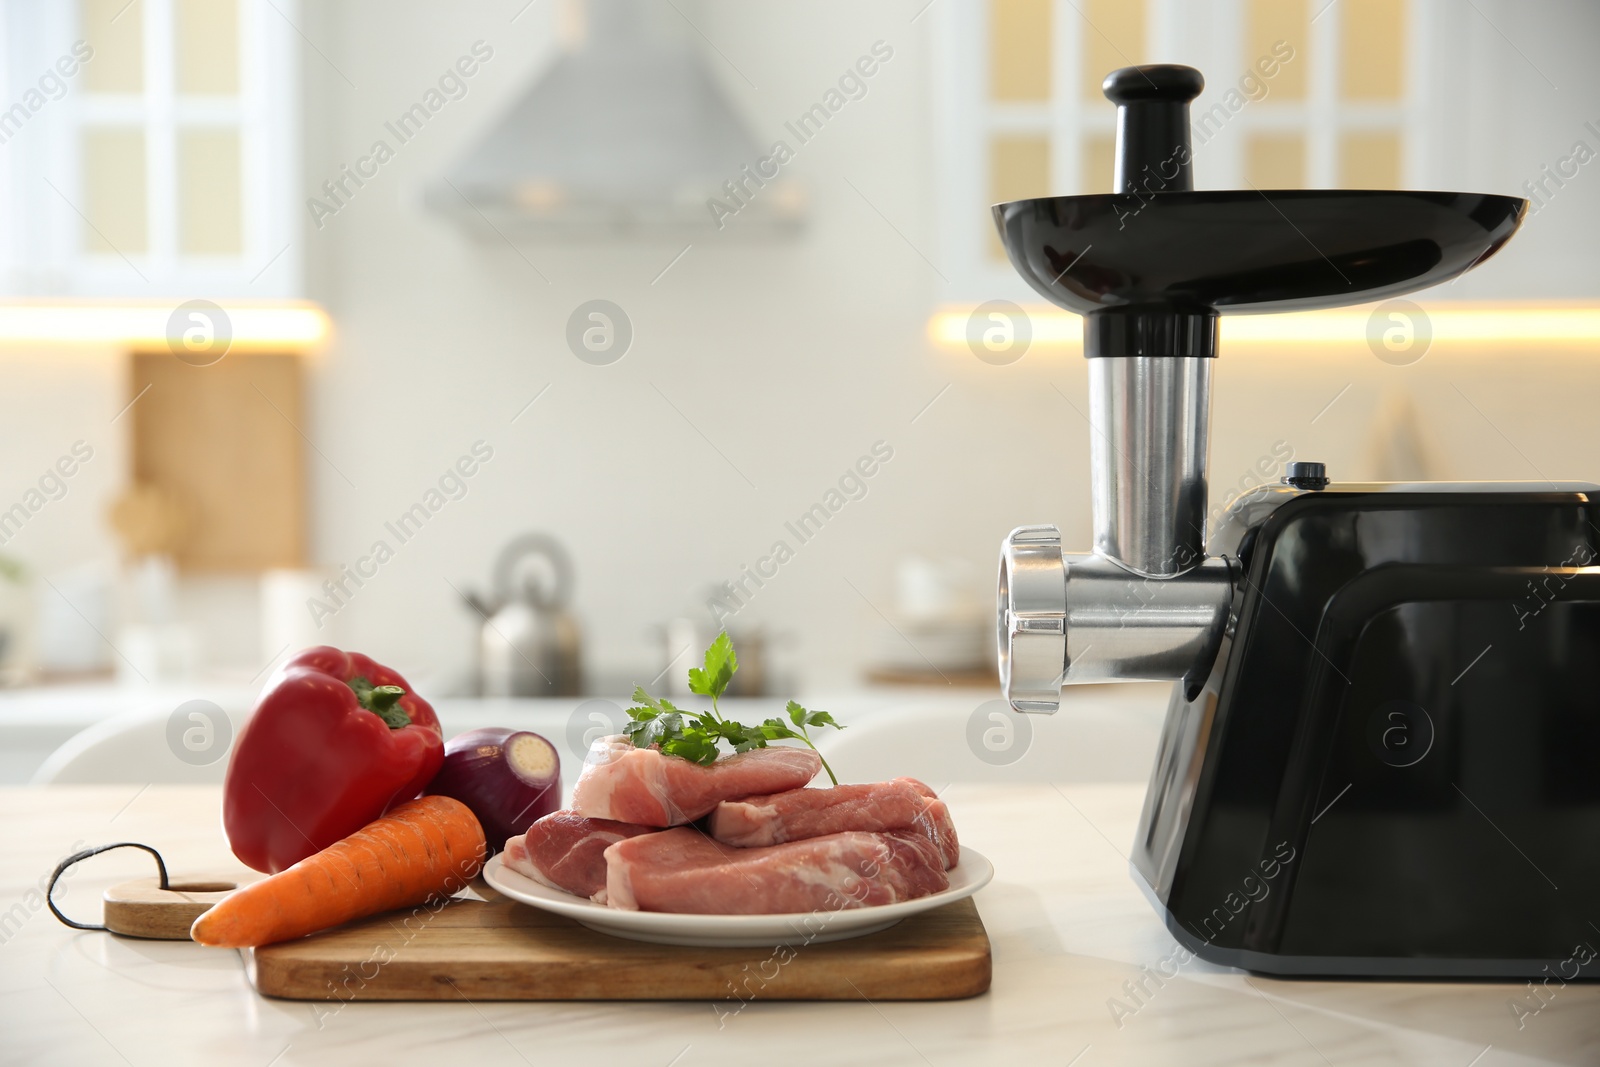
[(1070, 934)]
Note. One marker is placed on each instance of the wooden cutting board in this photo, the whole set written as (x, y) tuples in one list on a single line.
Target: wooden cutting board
[(496, 949)]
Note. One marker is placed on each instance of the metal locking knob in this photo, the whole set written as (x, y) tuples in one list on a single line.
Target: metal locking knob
[(1033, 618), (1306, 475)]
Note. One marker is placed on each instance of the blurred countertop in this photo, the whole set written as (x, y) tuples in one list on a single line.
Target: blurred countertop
[(1103, 733)]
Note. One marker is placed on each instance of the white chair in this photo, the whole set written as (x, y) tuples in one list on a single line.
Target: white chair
[(1104, 733), (146, 747)]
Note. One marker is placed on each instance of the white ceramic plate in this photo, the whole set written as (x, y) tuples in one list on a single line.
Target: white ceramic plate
[(736, 931)]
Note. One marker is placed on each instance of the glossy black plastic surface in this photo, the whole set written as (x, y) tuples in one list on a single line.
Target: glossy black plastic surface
[(1409, 711), (1278, 250), (1152, 264), (1153, 125)]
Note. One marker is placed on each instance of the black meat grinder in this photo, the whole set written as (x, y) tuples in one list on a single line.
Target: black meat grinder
[(1380, 754)]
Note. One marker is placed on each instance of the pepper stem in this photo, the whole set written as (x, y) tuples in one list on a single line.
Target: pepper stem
[(381, 700), (384, 697)]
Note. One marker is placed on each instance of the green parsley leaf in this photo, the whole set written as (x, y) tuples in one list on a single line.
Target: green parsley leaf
[(803, 718), (691, 745), (712, 680), (646, 732), (652, 706), (695, 735), (778, 730)]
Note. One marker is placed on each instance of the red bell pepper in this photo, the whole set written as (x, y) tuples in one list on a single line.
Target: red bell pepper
[(336, 740)]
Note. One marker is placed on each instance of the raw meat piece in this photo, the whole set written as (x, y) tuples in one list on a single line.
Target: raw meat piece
[(683, 870), (902, 804), (566, 851), (640, 785)]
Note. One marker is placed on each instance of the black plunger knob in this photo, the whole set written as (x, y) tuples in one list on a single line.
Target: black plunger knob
[(1153, 153)]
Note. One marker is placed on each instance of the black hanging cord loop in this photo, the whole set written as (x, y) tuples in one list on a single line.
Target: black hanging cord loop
[(79, 857)]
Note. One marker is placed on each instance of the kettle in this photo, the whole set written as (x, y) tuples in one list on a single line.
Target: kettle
[(529, 643)]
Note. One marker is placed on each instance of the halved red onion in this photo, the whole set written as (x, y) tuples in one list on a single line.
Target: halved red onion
[(509, 778)]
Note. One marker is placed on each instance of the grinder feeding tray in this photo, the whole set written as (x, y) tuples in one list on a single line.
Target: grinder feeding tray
[(1378, 758)]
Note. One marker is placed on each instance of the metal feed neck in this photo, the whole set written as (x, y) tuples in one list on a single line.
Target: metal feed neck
[(1147, 603)]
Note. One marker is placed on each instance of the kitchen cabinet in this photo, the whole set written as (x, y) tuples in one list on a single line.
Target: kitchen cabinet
[(152, 148), (222, 443), (1415, 94)]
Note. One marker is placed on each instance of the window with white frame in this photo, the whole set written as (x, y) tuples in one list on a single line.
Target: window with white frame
[(148, 148), (1299, 94)]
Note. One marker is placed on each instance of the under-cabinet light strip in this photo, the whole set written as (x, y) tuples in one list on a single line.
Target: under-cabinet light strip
[(1055, 328), (274, 327)]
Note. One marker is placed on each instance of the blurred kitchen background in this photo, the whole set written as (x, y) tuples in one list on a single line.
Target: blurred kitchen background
[(302, 344)]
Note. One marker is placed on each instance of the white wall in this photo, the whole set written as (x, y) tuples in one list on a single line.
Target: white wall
[(69, 397), (1528, 86), (793, 359)]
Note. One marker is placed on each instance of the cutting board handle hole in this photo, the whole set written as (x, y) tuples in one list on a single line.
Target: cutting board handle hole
[(203, 887)]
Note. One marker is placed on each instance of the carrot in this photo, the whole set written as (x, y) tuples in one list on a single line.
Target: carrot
[(422, 850)]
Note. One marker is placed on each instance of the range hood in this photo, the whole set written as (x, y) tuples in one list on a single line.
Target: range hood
[(626, 135)]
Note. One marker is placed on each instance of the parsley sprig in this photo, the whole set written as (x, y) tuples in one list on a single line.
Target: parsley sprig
[(696, 735)]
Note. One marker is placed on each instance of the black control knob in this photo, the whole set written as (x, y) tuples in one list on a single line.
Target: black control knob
[(1153, 153), (1306, 475)]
